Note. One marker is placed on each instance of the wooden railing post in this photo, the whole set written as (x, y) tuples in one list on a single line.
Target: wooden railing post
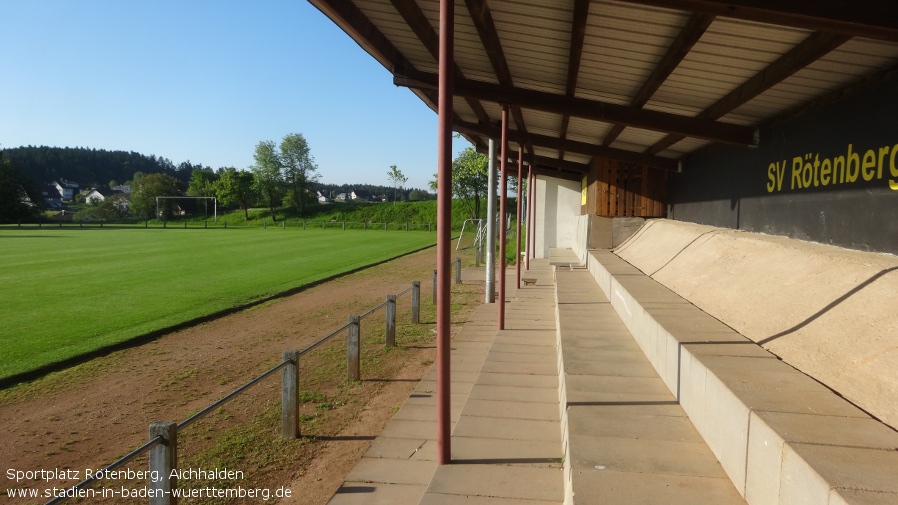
[(290, 396), (390, 340), (352, 350), (163, 459), (458, 270), (416, 302), (434, 287)]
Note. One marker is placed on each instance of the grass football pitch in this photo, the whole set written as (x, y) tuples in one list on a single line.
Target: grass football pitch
[(68, 292)]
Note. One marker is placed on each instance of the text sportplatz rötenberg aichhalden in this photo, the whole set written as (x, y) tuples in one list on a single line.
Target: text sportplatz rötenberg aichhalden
[(67, 474), (62, 483)]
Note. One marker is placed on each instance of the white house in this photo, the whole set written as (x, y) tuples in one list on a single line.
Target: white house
[(361, 195), (94, 195), (66, 189)]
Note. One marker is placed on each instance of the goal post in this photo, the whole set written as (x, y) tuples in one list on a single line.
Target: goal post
[(214, 202)]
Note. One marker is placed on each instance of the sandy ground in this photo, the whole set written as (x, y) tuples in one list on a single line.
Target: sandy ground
[(91, 414)]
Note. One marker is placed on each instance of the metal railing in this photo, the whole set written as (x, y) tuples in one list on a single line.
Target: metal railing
[(162, 446)]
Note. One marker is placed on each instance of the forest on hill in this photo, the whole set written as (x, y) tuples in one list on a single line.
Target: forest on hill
[(91, 167), (26, 171), (98, 167)]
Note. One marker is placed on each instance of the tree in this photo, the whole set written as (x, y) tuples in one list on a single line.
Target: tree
[(416, 195), (268, 178), (298, 167), (202, 182), (20, 197), (470, 178), (146, 188), (111, 208), (236, 187), (397, 180)]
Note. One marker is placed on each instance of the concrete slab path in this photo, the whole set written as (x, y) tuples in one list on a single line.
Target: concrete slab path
[(506, 438)]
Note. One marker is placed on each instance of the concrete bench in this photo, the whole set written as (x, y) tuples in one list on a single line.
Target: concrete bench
[(627, 440), (781, 436)]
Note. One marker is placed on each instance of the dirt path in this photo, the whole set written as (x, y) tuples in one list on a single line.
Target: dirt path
[(91, 414)]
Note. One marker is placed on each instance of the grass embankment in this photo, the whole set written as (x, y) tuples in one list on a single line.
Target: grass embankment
[(397, 214), (70, 292)]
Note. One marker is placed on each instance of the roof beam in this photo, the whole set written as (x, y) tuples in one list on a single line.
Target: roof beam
[(572, 174), (875, 20), (808, 51), (690, 34), (590, 109), (354, 22), (482, 18), (560, 168), (417, 21), (572, 146), (578, 35)]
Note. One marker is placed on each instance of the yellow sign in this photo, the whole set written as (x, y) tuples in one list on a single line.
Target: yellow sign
[(810, 171), (583, 193)]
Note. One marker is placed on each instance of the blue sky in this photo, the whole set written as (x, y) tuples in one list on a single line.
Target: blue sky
[(206, 81)]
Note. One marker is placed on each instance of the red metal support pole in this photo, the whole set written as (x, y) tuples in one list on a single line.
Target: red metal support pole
[(529, 212), (503, 208), (517, 258), (444, 224)]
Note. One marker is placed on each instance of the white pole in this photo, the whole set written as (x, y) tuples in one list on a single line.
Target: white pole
[(491, 228), (215, 207)]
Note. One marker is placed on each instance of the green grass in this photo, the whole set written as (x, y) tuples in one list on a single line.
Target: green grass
[(68, 292), (417, 214)]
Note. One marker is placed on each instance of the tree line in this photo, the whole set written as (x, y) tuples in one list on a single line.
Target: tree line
[(284, 174), (92, 167)]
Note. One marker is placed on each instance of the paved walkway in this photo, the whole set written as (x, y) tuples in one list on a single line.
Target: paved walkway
[(605, 430), (506, 438)]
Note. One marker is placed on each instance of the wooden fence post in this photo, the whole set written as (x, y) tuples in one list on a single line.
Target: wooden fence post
[(416, 302), (434, 287), (290, 396), (352, 350), (458, 270), (163, 459), (390, 340)]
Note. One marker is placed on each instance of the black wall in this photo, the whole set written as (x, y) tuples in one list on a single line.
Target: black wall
[(732, 187)]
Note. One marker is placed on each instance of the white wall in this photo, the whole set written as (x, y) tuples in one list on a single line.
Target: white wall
[(557, 215)]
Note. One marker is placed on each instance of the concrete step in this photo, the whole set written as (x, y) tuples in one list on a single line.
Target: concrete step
[(781, 436), (628, 441)]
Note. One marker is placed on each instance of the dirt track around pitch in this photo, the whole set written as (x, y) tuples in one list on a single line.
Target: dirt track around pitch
[(91, 414)]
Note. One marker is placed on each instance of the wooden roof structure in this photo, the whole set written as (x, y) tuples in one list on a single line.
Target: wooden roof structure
[(646, 82)]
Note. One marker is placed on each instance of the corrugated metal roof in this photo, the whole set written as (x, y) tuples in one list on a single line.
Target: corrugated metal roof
[(735, 73)]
